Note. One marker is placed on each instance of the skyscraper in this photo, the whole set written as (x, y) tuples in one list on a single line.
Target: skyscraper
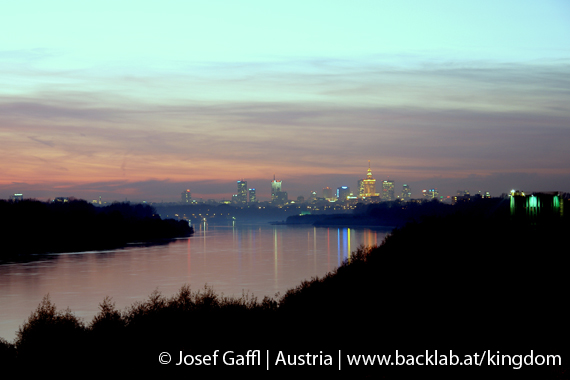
[(277, 195), (241, 191), (327, 193), (368, 185), (275, 188), (186, 197), (406, 193), (360, 188), (342, 193), (252, 198), (388, 191)]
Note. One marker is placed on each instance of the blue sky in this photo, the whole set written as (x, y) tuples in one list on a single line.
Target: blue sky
[(145, 99)]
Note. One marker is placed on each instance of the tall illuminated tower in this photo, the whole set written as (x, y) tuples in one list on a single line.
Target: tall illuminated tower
[(360, 188), (277, 195), (275, 188), (406, 192), (186, 197), (241, 191), (388, 191), (368, 185), (252, 198), (327, 193), (342, 193)]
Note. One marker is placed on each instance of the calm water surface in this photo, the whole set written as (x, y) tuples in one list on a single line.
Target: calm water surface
[(259, 259)]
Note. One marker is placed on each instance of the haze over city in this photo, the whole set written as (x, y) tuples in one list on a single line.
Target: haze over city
[(141, 101)]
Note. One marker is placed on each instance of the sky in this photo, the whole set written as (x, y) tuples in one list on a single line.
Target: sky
[(142, 100)]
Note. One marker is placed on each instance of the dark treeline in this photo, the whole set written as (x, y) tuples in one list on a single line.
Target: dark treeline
[(397, 214), (467, 282), (31, 226)]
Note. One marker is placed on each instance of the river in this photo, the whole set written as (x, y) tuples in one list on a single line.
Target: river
[(257, 259)]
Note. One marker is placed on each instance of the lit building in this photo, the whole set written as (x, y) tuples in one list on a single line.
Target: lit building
[(17, 197), (430, 194), (536, 206), (313, 197), (360, 188), (462, 196), (342, 193), (241, 196), (327, 193), (252, 198), (275, 188), (434, 193), (406, 192), (368, 185), (388, 191), (277, 195), (186, 196)]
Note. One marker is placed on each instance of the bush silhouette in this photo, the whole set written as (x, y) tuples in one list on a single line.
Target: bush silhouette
[(50, 336)]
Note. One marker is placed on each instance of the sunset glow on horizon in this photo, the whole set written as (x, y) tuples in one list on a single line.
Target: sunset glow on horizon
[(145, 100)]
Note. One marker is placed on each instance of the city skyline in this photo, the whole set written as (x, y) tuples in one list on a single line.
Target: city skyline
[(365, 188), (166, 97)]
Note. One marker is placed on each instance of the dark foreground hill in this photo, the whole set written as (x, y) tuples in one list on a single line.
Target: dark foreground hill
[(467, 285)]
